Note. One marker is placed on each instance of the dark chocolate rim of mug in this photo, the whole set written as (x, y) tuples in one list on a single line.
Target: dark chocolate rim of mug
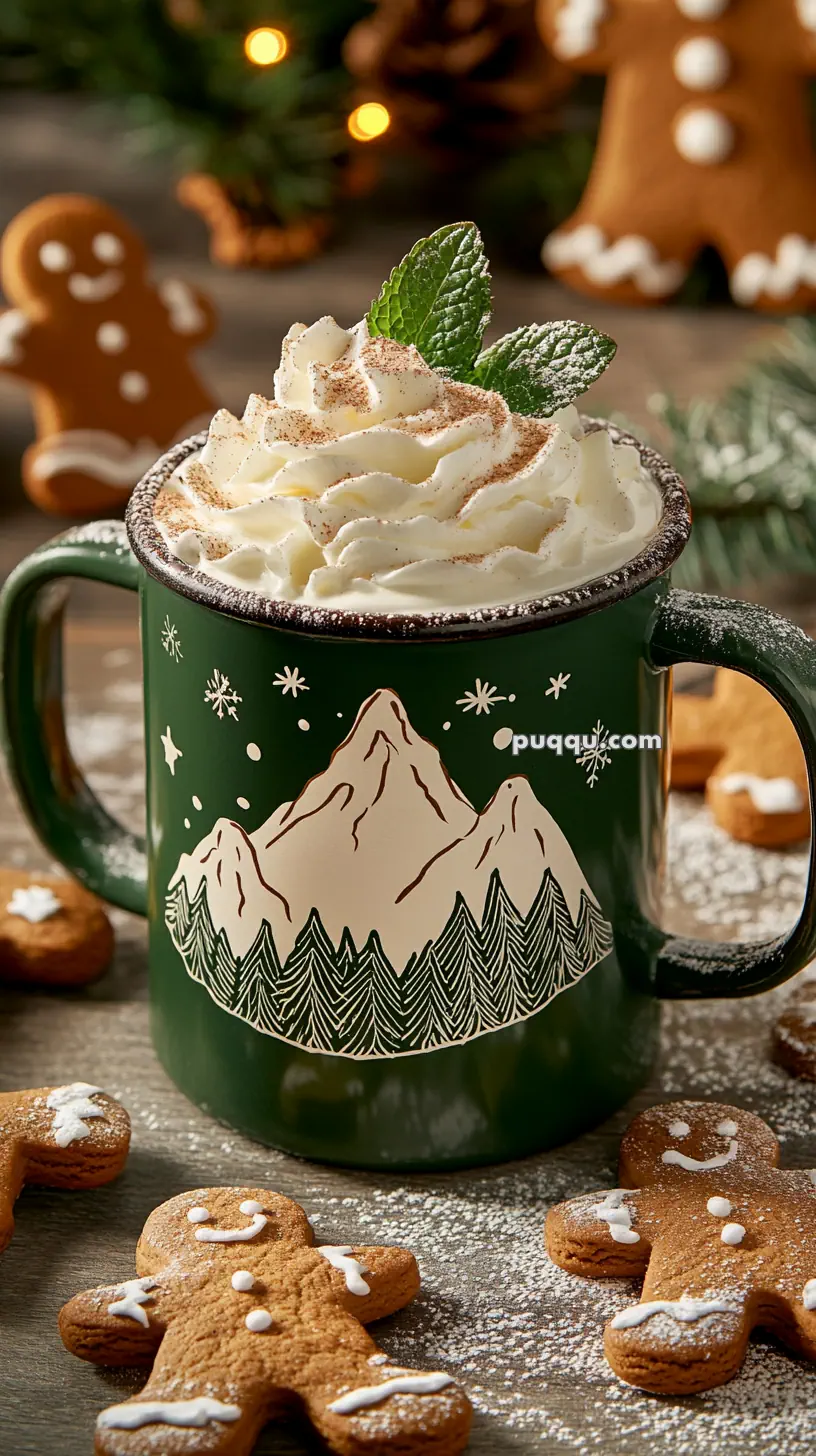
[(656, 557)]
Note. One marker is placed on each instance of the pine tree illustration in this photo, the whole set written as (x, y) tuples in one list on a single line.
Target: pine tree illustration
[(594, 934), (460, 953), (198, 945), (371, 1017), (177, 913), (552, 954), (426, 1002), (255, 997), (505, 955), (308, 989), (346, 958), (222, 974)]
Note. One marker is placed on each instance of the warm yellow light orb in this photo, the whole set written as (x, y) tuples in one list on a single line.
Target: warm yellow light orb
[(369, 121), (265, 46)]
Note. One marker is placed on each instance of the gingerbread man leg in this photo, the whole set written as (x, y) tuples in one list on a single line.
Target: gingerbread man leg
[(362, 1406), (644, 263)]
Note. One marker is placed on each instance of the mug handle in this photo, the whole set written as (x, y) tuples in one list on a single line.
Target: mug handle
[(64, 811), (691, 627)]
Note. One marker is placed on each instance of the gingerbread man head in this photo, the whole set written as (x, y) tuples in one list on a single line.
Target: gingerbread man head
[(65, 252), (725, 1239), (241, 1314)]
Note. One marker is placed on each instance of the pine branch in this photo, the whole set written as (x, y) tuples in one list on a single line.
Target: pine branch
[(749, 463)]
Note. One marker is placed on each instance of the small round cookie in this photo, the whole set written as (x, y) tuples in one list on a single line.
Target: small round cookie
[(53, 932), (236, 1309), (793, 1038)]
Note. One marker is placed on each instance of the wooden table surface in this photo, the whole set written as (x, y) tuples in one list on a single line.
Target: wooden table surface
[(524, 1337)]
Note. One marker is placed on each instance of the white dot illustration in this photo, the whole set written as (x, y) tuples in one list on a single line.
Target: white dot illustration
[(445, 727), (196, 802), (242, 803), (512, 698), (503, 738), (186, 824), (242, 1280), (339, 715), (253, 752), (108, 248), (133, 386), (111, 337), (198, 1215), (258, 1320), (56, 257), (304, 725)]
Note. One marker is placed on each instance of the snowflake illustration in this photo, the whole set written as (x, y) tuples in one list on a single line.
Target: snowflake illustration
[(171, 641), (483, 699), (597, 757), (558, 685), (291, 681), (221, 695)]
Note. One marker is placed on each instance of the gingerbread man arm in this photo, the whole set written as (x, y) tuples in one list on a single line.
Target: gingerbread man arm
[(190, 313), (607, 1233), (118, 1324), (23, 347), (584, 39), (372, 1282)]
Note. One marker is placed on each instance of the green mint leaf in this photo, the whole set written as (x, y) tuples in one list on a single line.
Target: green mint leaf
[(438, 298), (540, 368)]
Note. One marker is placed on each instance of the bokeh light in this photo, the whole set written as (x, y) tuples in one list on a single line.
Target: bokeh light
[(369, 121), (265, 46)]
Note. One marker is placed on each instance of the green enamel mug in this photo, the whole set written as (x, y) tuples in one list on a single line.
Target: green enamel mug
[(402, 873)]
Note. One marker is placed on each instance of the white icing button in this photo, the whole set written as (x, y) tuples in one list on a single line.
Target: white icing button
[(720, 1207), (112, 338), (56, 257), (679, 1129), (198, 1215), (108, 248), (258, 1320), (250, 1206), (702, 64), (704, 136), (133, 386), (727, 1128), (702, 9), (242, 1280), (733, 1233)]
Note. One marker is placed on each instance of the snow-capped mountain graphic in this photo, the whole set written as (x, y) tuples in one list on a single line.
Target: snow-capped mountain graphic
[(380, 913)]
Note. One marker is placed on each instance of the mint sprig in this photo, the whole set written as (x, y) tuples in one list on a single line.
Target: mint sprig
[(438, 298), (540, 368)]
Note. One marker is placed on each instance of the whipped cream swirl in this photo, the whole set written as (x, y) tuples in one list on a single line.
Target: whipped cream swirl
[(371, 482)]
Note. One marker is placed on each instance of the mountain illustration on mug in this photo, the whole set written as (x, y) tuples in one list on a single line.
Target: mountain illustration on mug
[(332, 929)]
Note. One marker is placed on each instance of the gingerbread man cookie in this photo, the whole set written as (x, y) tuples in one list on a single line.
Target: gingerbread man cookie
[(106, 352), (725, 1239), (53, 932), (705, 139), (794, 1032), (241, 1316), (60, 1137), (742, 747)]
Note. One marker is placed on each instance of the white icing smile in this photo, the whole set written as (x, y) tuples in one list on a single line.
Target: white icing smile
[(92, 290), (727, 1128), (236, 1235)]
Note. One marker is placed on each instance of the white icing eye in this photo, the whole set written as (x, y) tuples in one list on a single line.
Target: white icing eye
[(108, 248), (727, 1128), (111, 338), (258, 1320), (242, 1280), (56, 257), (250, 1206), (720, 1207), (198, 1215), (679, 1129)]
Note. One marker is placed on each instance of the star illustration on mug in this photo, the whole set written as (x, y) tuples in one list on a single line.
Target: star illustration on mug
[(171, 753), (482, 699), (291, 681), (558, 685)]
